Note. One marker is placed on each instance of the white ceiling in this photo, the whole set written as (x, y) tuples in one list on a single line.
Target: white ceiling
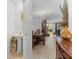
[(46, 8)]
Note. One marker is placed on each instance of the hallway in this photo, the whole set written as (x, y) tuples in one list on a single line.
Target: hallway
[(45, 52)]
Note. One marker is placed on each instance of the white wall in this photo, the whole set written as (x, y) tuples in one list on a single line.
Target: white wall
[(18, 22), (14, 23), (11, 17), (27, 29), (70, 14)]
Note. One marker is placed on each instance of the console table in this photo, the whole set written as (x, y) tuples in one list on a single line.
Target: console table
[(64, 48)]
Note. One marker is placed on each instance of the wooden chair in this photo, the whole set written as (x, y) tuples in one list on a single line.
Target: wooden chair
[(41, 39), (34, 40)]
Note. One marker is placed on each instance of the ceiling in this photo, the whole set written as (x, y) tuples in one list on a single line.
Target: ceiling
[(46, 8)]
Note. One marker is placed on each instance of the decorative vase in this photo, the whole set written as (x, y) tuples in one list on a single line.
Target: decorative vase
[(66, 34)]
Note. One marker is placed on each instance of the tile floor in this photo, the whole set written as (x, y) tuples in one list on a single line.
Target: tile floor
[(14, 57), (47, 51)]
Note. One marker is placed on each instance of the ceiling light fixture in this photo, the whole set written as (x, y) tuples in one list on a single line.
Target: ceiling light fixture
[(43, 12)]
